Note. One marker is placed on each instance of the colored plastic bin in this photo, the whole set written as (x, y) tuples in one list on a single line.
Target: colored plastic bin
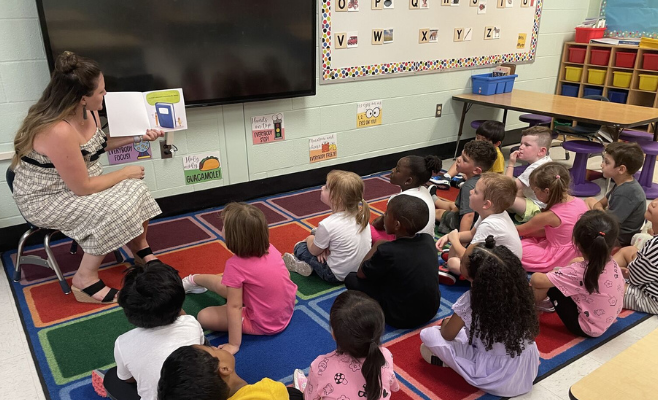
[(577, 54), (592, 91), (648, 82), (621, 79), (569, 89), (584, 35), (617, 96), (599, 57), (573, 74), (648, 43), (650, 61), (487, 84), (625, 59), (596, 76)]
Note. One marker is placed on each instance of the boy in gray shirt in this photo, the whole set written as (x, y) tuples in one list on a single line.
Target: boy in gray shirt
[(626, 200)]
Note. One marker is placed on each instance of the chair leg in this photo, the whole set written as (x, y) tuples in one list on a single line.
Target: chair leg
[(74, 247), (52, 263), (19, 254)]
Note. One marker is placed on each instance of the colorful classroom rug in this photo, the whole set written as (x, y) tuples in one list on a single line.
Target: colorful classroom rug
[(69, 339)]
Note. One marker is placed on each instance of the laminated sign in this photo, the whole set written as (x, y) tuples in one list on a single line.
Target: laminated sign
[(369, 113), (322, 148), (202, 167), (267, 128)]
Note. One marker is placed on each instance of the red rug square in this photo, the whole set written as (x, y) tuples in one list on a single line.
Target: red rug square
[(271, 215), (284, 237), (187, 230)]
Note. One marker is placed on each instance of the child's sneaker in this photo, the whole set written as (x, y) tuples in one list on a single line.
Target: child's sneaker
[(445, 254), (545, 305), (299, 380), (192, 287), (446, 277), (427, 355), (457, 181), (97, 377), (441, 182), (294, 265)]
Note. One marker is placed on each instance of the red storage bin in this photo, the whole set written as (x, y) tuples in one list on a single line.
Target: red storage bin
[(650, 61), (625, 59), (577, 54), (584, 35), (600, 57)]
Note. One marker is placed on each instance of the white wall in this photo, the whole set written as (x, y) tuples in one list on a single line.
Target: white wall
[(409, 104)]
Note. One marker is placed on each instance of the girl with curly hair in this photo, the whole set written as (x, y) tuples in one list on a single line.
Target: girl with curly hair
[(489, 340)]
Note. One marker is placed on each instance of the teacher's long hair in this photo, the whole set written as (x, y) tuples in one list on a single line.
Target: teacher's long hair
[(73, 77)]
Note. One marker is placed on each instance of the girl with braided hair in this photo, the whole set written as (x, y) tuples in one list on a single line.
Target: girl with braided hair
[(489, 340)]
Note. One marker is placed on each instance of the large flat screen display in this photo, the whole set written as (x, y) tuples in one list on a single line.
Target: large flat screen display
[(218, 51)]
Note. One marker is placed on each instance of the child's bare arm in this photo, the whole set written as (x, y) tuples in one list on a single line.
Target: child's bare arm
[(509, 170), (445, 205), (312, 248), (466, 222), (625, 255), (451, 327), (234, 320), (535, 227), (601, 204)]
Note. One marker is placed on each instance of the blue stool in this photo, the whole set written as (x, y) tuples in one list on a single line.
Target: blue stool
[(536, 119), (646, 175), (628, 135), (580, 186), (476, 124)]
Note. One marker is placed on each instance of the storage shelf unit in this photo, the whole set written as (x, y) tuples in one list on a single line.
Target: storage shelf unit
[(632, 94)]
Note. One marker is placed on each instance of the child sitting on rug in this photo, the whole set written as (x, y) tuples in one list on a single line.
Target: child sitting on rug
[(492, 196), (587, 295), (476, 158), (626, 200), (152, 299), (342, 239), (260, 297), (359, 367), (491, 131), (401, 275), (640, 268), (489, 339), (535, 143), (547, 236), (411, 173), (208, 373)]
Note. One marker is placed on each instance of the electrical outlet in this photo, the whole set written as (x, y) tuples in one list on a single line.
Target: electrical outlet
[(165, 150), (439, 108)]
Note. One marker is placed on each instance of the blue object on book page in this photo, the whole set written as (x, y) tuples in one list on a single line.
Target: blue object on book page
[(166, 115)]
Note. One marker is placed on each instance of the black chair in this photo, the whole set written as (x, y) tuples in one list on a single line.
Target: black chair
[(583, 130), (49, 262)]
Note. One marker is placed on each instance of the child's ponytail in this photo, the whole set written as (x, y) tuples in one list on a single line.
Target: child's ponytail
[(595, 234), (372, 371), (357, 323), (554, 177), (363, 215)]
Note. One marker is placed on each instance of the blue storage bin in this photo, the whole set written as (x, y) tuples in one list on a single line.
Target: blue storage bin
[(487, 84), (617, 96), (569, 89), (592, 91)]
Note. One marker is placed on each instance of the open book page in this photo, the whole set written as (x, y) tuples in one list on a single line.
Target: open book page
[(125, 114), (166, 109)]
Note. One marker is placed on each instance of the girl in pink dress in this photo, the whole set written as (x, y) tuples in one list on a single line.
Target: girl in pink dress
[(546, 238), (587, 295), (260, 297)]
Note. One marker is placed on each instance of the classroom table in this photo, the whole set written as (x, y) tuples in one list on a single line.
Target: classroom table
[(629, 375), (618, 116)]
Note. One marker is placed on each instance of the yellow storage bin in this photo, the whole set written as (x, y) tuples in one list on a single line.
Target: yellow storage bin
[(573, 74), (596, 76), (621, 79), (648, 82), (648, 43)]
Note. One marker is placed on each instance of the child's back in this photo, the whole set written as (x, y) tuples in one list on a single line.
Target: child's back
[(346, 240), (628, 203), (502, 228)]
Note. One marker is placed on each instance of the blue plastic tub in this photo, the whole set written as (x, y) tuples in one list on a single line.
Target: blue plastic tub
[(570, 90), (487, 85), (617, 96), (592, 91)]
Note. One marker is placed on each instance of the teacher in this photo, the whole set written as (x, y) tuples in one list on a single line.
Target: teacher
[(59, 181)]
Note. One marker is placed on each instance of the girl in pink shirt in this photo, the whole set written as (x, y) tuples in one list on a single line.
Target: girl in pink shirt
[(255, 277), (587, 295), (359, 367)]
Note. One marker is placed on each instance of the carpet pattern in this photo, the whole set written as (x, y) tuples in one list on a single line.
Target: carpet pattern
[(69, 339)]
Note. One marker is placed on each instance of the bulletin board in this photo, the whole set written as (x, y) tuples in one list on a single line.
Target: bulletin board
[(426, 36), (630, 18)]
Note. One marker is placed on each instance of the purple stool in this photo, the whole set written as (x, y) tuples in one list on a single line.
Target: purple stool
[(536, 119), (476, 124), (580, 186), (646, 175), (628, 135)]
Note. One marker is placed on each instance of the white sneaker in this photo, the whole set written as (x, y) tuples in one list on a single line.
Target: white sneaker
[(299, 380), (294, 265), (191, 287), (545, 305), (427, 355)]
